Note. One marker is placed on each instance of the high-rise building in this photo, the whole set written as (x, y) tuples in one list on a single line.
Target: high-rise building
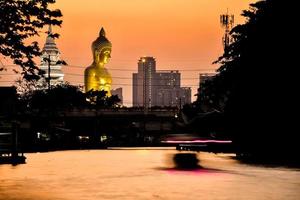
[(51, 53), (167, 86), (143, 90), (157, 88), (185, 96)]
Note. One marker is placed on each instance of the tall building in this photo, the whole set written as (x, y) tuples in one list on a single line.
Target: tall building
[(167, 87), (157, 88), (185, 96), (51, 53), (143, 90)]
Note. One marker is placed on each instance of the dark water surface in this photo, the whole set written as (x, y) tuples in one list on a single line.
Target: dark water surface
[(142, 174)]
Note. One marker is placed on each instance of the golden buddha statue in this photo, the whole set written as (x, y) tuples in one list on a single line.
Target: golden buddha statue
[(96, 76)]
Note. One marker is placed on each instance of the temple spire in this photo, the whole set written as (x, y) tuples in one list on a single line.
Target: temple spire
[(49, 60), (50, 43)]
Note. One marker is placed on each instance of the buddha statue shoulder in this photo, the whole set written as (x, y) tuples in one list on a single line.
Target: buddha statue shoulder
[(96, 76)]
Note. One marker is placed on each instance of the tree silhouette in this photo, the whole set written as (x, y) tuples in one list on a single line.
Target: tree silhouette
[(63, 97), (25, 87), (99, 99), (59, 97), (256, 82), (20, 20)]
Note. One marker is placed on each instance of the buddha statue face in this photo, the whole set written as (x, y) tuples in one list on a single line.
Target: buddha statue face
[(105, 56), (102, 57), (101, 49)]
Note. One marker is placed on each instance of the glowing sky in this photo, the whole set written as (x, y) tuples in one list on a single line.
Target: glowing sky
[(182, 35)]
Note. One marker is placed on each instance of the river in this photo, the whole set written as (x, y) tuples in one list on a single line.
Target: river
[(142, 173)]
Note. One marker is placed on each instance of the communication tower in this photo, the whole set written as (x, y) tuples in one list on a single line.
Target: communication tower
[(227, 22)]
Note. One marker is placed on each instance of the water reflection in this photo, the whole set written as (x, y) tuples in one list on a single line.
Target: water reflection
[(141, 174)]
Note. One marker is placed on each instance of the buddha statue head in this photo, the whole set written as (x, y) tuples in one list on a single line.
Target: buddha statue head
[(101, 49)]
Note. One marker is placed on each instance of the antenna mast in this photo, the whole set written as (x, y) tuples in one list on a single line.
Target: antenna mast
[(227, 22)]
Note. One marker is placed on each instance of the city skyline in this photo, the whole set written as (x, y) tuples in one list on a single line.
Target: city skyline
[(184, 36), (151, 87)]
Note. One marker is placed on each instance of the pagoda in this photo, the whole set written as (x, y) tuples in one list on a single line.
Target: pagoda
[(51, 53)]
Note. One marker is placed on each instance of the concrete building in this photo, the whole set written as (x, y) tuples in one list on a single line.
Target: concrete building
[(185, 95), (51, 53), (143, 90), (157, 88), (167, 87)]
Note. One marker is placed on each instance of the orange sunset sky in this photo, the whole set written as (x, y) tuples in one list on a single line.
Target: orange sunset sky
[(182, 35)]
